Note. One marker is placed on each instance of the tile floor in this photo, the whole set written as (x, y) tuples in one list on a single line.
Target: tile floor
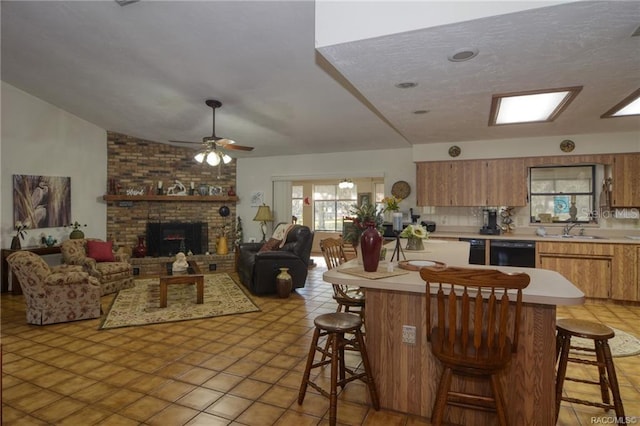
[(235, 370)]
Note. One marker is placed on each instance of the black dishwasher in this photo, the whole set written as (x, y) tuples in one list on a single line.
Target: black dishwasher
[(513, 253), (476, 250)]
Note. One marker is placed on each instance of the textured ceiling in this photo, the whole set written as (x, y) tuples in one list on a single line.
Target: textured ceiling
[(146, 69)]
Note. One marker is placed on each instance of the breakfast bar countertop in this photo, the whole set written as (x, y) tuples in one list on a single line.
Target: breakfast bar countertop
[(546, 287)]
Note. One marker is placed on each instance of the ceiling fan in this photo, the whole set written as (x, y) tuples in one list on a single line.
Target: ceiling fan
[(209, 152)]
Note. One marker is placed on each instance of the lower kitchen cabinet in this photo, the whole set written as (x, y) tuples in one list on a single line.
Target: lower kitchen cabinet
[(586, 265)]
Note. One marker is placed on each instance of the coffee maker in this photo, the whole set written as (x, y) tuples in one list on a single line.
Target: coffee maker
[(490, 222)]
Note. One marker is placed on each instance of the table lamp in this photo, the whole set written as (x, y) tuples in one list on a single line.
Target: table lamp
[(263, 216)]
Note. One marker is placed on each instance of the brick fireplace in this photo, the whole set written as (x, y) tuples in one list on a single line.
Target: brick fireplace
[(140, 164)]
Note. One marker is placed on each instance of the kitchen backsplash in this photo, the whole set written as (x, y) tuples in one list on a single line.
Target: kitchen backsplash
[(626, 219)]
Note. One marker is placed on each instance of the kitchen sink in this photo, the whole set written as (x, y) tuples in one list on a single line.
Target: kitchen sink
[(575, 237)]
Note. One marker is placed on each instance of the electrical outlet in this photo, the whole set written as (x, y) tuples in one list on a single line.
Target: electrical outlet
[(409, 334), (213, 266)]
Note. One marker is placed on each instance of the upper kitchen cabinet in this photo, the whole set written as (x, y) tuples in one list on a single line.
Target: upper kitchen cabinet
[(471, 183), (625, 191)]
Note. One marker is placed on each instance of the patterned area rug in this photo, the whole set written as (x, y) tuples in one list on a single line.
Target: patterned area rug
[(623, 344), (139, 305)]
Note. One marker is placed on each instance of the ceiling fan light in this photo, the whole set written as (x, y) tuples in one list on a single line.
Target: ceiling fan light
[(199, 157), (213, 159), (226, 159)]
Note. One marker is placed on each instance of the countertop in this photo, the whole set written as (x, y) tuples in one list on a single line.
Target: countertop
[(605, 236), (546, 287)]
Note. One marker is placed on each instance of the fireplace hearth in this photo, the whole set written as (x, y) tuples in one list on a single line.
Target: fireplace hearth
[(167, 239)]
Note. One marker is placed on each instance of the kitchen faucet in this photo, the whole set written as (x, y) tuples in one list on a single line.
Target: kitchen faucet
[(568, 227)]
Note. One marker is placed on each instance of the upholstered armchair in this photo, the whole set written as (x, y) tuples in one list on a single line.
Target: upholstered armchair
[(97, 258), (55, 294), (260, 263)]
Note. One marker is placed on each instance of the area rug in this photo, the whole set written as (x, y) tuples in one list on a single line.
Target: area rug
[(623, 344), (139, 305)]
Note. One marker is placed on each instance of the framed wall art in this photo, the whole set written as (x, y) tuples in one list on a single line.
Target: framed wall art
[(364, 198), (41, 201)]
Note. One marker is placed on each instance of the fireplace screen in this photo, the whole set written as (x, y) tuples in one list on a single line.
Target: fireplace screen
[(167, 239)]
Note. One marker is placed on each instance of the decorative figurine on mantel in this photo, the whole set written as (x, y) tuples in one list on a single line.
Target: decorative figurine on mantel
[(181, 264)]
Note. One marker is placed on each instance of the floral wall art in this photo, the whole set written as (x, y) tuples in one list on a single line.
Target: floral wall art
[(41, 201)]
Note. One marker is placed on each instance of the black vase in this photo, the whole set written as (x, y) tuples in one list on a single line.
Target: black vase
[(15, 243)]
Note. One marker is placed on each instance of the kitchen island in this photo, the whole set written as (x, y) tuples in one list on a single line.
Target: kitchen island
[(407, 374)]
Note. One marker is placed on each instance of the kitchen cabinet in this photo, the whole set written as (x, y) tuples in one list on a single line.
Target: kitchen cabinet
[(625, 191), (589, 266), (625, 281), (499, 182)]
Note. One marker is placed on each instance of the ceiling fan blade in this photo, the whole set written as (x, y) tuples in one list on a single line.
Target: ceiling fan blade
[(237, 147), (229, 144)]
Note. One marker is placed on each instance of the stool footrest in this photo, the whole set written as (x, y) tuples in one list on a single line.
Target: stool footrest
[(587, 361), (589, 403), (589, 382)]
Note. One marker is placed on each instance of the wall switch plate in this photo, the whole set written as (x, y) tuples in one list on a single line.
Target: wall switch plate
[(409, 334), (213, 266)]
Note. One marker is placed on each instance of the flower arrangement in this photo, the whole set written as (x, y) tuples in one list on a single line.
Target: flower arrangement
[(20, 230), (391, 204), (76, 225), (362, 216), (414, 231)]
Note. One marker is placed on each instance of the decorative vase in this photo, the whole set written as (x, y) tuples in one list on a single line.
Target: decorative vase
[(76, 234), (223, 246), (370, 246), (284, 283), (15, 243), (414, 243), (140, 250)]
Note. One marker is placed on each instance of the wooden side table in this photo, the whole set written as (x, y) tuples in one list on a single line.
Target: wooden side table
[(16, 289)]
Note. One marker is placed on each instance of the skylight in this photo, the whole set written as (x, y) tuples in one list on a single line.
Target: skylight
[(536, 106), (628, 106)]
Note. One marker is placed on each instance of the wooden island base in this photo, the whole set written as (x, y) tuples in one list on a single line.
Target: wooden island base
[(407, 375)]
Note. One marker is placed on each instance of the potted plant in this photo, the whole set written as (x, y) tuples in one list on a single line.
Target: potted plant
[(414, 234), (76, 233), (365, 232), (20, 233), (362, 216)]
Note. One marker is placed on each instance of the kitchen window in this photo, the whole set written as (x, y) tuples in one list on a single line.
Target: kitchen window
[(331, 204), (562, 194)]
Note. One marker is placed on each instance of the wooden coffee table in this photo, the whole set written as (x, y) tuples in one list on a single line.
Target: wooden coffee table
[(191, 276)]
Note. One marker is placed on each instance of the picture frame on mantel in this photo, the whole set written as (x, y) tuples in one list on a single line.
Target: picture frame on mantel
[(364, 198)]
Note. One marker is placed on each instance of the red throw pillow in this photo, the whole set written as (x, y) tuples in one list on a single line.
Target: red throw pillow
[(100, 251), (272, 244)]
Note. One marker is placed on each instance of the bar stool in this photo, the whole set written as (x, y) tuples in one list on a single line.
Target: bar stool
[(334, 326), (600, 334)]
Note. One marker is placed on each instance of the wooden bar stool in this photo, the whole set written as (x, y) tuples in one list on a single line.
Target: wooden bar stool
[(334, 326), (600, 334)]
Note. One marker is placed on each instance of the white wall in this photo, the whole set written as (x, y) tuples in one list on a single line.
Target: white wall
[(41, 139), (257, 174)]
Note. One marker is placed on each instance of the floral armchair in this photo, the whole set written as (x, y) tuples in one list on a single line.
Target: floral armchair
[(55, 294), (96, 257)]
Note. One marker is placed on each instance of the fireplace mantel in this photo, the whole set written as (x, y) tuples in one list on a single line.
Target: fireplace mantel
[(180, 198)]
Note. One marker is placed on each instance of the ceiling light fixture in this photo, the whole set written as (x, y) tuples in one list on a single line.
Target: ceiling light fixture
[(462, 55), (211, 157), (534, 106), (628, 106), (346, 184)]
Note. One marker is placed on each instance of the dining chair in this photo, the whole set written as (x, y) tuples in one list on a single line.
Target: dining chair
[(473, 332), (347, 298)]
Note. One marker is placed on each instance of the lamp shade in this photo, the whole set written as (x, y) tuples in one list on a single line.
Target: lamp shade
[(263, 214)]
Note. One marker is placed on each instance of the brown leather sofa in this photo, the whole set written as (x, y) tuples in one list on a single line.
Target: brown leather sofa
[(258, 269)]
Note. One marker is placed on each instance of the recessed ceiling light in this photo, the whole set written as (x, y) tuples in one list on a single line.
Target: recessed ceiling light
[(462, 55), (421, 111), (628, 106), (530, 107), (406, 85)]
